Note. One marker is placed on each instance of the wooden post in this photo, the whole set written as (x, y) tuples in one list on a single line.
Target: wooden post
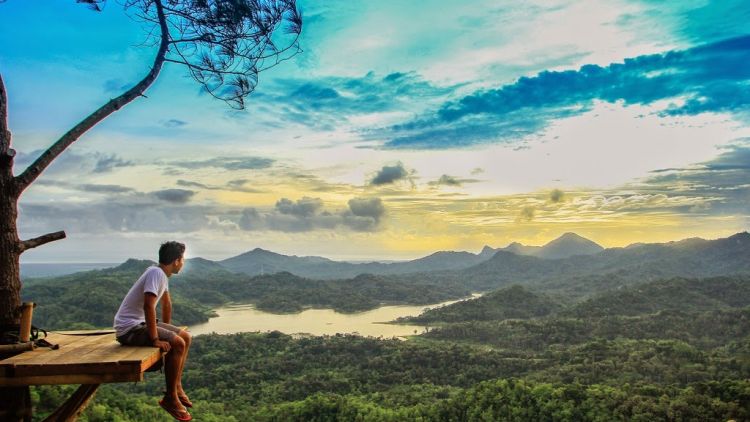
[(12, 349), (27, 311), (20, 397)]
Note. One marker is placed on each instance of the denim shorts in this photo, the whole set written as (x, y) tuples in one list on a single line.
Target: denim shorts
[(138, 335)]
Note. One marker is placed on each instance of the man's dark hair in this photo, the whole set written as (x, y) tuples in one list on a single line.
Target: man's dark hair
[(170, 251)]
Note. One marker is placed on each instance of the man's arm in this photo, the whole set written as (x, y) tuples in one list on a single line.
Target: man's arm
[(149, 307), (166, 308)]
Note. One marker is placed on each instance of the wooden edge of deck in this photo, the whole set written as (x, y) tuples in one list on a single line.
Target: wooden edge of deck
[(70, 379), (93, 360)]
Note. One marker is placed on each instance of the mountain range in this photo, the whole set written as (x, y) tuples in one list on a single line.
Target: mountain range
[(259, 261), (588, 268), (581, 275), (569, 265)]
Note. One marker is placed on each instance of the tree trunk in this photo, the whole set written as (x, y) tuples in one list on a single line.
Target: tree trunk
[(16, 403), (10, 281)]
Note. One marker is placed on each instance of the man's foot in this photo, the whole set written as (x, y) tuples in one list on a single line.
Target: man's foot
[(176, 410), (184, 399), (182, 396)]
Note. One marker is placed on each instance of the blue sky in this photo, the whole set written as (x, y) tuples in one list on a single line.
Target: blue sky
[(401, 129)]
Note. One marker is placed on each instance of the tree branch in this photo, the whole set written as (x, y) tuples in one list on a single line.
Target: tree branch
[(4, 133), (41, 240), (37, 167)]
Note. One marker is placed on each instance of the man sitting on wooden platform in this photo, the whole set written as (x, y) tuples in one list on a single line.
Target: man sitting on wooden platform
[(136, 325)]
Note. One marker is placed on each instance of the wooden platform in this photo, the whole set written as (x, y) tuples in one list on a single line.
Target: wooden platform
[(83, 358)]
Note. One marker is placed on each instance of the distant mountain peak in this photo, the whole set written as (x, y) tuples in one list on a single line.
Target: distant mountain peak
[(567, 245), (133, 264), (741, 236), (571, 236)]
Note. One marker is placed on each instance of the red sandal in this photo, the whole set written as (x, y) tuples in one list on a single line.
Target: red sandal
[(179, 414)]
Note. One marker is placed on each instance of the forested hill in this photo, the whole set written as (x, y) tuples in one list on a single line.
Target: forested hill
[(259, 261), (670, 349), (677, 294), (575, 276), (611, 268), (90, 299), (508, 303)]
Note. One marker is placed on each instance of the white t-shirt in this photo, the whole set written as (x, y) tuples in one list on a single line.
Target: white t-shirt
[(131, 311)]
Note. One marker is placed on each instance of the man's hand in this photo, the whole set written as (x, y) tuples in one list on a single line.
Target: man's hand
[(163, 345)]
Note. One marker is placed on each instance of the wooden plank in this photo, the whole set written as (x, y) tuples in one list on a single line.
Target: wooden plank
[(80, 355), (42, 355), (74, 348), (72, 379), (94, 351), (105, 361)]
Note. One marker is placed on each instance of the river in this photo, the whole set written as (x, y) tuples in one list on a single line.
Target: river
[(245, 318)]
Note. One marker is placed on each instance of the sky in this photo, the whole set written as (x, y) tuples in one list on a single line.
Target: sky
[(401, 129)]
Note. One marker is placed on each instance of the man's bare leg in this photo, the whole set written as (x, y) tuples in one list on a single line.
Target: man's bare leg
[(188, 339), (172, 372)]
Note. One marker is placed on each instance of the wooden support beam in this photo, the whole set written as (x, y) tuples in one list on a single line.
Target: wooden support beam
[(27, 311), (75, 405), (21, 398)]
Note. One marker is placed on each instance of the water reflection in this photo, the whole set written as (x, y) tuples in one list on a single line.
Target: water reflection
[(245, 318)]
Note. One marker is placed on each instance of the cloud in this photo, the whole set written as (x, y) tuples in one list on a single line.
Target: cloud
[(477, 130), (556, 196), (87, 187), (364, 214), (699, 23), (527, 214), (229, 163), (327, 102), (177, 196), (120, 216), (708, 78), (171, 123), (73, 163), (447, 180), (702, 72), (306, 214), (725, 180), (106, 164), (305, 207), (390, 174), (237, 185), (191, 184)]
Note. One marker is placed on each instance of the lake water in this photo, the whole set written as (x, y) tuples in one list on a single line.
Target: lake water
[(245, 318)]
